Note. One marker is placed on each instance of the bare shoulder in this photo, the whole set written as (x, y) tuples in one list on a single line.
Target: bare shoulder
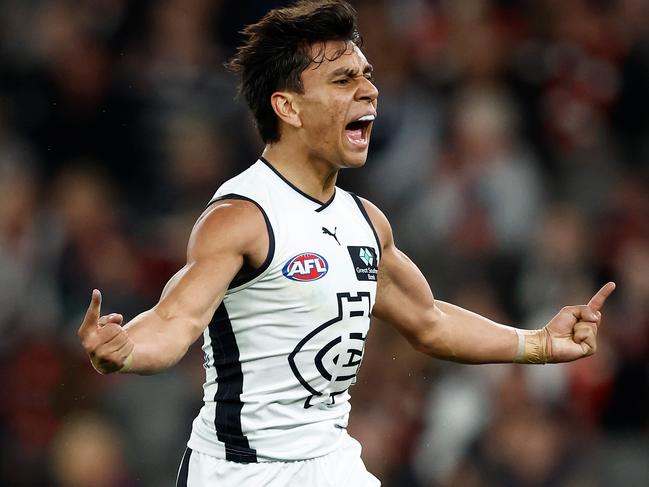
[(229, 225), (380, 222)]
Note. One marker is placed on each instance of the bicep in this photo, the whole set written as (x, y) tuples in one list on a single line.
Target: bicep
[(191, 297), (218, 245), (404, 298)]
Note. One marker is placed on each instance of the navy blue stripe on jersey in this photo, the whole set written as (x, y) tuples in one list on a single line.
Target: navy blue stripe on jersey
[(229, 388), (295, 188), (248, 274), (183, 472), (369, 222)]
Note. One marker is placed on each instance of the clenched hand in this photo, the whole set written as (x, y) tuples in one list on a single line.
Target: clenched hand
[(108, 345), (572, 333)]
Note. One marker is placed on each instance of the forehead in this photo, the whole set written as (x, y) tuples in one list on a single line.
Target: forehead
[(331, 55)]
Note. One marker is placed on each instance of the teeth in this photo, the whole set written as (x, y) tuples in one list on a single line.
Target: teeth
[(367, 118)]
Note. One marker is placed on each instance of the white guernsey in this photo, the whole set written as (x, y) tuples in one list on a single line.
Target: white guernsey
[(286, 343)]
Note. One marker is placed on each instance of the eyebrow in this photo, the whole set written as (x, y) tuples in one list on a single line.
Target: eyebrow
[(352, 72)]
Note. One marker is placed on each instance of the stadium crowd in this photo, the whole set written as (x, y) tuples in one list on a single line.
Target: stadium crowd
[(511, 154)]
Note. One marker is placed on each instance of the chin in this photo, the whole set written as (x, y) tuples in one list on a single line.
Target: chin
[(354, 161), (352, 157)]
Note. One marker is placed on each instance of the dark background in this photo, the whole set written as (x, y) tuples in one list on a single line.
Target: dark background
[(511, 155)]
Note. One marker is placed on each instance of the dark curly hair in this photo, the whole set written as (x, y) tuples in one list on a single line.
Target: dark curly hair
[(278, 49)]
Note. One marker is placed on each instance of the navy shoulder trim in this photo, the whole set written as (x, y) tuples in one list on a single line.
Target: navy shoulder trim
[(369, 221), (248, 274)]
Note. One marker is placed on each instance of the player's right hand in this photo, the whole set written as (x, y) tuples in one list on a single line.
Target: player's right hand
[(108, 345)]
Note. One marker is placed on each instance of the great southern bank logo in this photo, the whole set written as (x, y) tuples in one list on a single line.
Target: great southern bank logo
[(365, 262), (308, 266), (366, 256)]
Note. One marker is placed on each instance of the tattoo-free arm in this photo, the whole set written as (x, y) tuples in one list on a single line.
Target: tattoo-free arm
[(446, 331), (437, 328), (225, 235)]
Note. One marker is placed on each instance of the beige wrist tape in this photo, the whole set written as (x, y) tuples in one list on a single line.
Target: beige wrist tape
[(532, 347), (127, 364)]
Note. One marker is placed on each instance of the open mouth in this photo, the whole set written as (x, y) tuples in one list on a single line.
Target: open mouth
[(358, 130)]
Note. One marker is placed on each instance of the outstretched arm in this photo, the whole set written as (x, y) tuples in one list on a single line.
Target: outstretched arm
[(446, 331), (226, 235)]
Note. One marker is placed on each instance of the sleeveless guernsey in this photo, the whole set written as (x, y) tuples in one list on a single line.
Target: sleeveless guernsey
[(286, 343)]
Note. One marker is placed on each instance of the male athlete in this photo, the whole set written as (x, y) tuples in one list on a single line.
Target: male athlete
[(284, 270)]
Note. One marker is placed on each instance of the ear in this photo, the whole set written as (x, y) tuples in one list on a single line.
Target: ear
[(285, 105)]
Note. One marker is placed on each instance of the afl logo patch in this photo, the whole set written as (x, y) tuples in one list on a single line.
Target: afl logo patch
[(306, 267)]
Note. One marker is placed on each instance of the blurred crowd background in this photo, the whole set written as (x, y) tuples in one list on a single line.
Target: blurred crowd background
[(511, 154)]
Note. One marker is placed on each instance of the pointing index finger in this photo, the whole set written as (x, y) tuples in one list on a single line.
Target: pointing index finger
[(94, 309), (597, 301)]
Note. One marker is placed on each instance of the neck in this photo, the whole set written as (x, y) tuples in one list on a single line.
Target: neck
[(315, 177)]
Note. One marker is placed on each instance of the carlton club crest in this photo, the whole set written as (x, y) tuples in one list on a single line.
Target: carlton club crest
[(327, 359)]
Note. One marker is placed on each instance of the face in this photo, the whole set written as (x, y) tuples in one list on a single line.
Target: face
[(338, 106)]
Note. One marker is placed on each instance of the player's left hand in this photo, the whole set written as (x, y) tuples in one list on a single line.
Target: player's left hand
[(572, 333)]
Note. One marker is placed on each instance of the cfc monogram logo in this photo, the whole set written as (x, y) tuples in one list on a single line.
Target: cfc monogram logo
[(327, 359)]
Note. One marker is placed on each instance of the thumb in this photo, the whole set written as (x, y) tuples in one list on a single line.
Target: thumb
[(94, 309)]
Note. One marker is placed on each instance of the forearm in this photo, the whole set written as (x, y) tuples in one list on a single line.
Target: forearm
[(463, 336), (405, 300), (160, 342)]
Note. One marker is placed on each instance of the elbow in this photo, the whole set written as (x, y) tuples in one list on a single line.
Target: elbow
[(432, 337), (425, 336)]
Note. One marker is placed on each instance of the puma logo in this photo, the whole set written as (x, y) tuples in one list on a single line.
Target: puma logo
[(326, 231)]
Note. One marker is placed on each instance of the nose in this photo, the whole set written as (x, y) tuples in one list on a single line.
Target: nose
[(367, 91)]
